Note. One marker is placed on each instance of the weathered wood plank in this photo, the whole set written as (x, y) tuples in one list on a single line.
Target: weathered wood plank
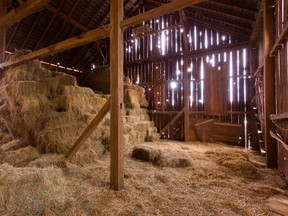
[(116, 92), (89, 130), (172, 121), (22, 11)]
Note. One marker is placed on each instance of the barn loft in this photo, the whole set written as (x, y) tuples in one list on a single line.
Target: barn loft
[(184, 84)]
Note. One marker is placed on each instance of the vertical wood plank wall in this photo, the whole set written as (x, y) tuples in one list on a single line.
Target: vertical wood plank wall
[(281, 76), (153, 56)]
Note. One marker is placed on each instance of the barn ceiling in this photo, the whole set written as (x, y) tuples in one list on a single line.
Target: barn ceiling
[(63, 19)]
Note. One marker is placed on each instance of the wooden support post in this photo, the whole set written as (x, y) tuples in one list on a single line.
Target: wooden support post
[(185, 45), (116, 92), (3, 6), (269, 89)]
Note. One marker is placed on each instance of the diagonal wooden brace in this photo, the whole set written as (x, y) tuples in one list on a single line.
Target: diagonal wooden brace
[(89, 130)]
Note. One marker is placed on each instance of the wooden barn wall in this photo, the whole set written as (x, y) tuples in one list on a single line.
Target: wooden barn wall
[(281, 68), (154, 60)]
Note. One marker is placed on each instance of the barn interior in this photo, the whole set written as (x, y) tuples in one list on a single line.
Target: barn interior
[(143, 107)]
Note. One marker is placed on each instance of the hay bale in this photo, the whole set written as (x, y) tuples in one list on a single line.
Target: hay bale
[(145, 152), (28, 191), (49, 111), (172, 158), (162, 155), (134, 96)]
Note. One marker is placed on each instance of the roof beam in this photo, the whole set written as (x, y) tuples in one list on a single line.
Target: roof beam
[(49, 25), (12, 36), (213, 19), (30, 31), (232, 5), (80, 40), (22, 11), (159, 11), (66, 18), (220, 29), (223, 13), (101, 32)]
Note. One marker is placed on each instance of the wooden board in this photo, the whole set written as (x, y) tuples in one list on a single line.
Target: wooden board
[(278, 204), (212, 131), (216, 93)]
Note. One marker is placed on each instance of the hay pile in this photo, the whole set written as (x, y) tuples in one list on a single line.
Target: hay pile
[(204, 188), (28, 191), (48, 111)]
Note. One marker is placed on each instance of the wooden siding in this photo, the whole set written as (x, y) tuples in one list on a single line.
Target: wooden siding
[(154, 59)]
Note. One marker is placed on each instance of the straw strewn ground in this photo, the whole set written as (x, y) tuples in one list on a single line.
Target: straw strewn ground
[(210, 186)]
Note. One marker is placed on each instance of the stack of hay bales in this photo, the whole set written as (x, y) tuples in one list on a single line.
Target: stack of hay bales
[(49, 111), (137, 125)]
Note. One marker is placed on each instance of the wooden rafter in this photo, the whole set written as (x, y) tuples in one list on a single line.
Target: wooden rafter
[(70, 43), (220, 21), (133, 9), (102, 32), (233, 5), (64, 23), (224, 30), (159, 11), (67, 18), (31, 30), (162, 10), (214, 10), (83, 28), (22, 11), (49, 24), (12, 35)]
